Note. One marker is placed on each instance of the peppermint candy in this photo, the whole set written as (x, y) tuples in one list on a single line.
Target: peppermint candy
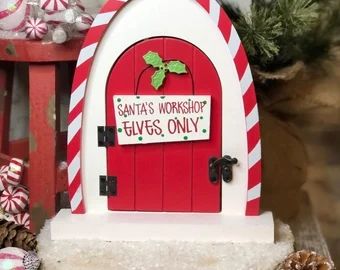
[(3, 178), (16, 258), (13, 14), (79, 5), (84, 22), (22, 219), (54, 5), (14, 200), (15, 171), (36, 28)]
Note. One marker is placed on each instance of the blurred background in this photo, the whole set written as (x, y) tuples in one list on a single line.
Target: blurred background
[(294, 50)]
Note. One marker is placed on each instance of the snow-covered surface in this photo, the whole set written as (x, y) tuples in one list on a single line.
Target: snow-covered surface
[(162, 226), (150, 255)]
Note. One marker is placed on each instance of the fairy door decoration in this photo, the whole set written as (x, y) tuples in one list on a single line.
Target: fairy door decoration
[(162, 105), (153, 173)]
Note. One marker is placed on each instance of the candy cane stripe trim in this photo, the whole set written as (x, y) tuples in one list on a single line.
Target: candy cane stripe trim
[(255, 155), (74, 128), (77, 199), (253, 118), (103, 18), (231, 37), (86, 53), (234, 42), (246, 80), (78, 95), (215, 10), (254, 192), (74, 167), (253, 134)]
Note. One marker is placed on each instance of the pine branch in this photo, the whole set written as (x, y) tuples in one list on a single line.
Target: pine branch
[(259, 31), (275, 33), (297, 16)]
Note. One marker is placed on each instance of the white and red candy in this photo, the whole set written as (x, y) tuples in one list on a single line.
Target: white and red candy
[(14, 200), (84, 22), (15, 171), (54, 5), (36, 28), (3, 178), (18, 259), (22, 219), (79, 5), (13, 14)]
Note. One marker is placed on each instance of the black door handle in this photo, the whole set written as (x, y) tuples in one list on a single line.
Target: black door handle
[(222, 166)]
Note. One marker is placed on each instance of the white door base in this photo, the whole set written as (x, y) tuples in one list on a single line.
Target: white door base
[(142, 226)]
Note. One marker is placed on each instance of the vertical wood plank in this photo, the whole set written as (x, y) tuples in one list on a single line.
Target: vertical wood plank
[(207, 196), (148, 158), (42, 173), (177, 179), (6, 82), (120, 159)]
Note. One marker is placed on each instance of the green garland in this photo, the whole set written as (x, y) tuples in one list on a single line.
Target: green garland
[(278, 33)]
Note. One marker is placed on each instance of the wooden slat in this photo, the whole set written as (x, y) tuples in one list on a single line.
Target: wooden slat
[(42, 175), (38, 51), (306, 229), (207, 196), (148, 158), (6, 81), (120, 159), (177, 179)]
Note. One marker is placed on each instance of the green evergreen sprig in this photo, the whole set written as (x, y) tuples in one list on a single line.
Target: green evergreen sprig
[(259, 31), (277, 33)]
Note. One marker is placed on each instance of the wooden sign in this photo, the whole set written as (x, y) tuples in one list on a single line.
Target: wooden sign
[(155, 119)]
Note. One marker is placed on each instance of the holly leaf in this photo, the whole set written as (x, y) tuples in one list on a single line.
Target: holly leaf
[(177, 67), (158, 78), (153, 59)]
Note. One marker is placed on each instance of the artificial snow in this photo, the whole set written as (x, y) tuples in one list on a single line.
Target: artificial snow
[(151, 255)]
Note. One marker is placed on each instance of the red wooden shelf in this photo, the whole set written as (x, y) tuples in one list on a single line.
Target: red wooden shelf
[(43, 177), (38, 51)]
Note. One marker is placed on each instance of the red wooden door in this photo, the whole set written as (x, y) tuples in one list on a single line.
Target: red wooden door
[(171, 177)]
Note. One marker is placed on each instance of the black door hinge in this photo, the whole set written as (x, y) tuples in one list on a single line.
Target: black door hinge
[(107, 185), (106, 136), (222, 166)]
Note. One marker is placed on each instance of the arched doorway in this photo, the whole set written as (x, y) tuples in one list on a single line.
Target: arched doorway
[(165, 176)]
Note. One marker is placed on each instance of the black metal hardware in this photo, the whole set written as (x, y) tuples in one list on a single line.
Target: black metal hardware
[(107, 185), (106, 136), (222, 166)]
